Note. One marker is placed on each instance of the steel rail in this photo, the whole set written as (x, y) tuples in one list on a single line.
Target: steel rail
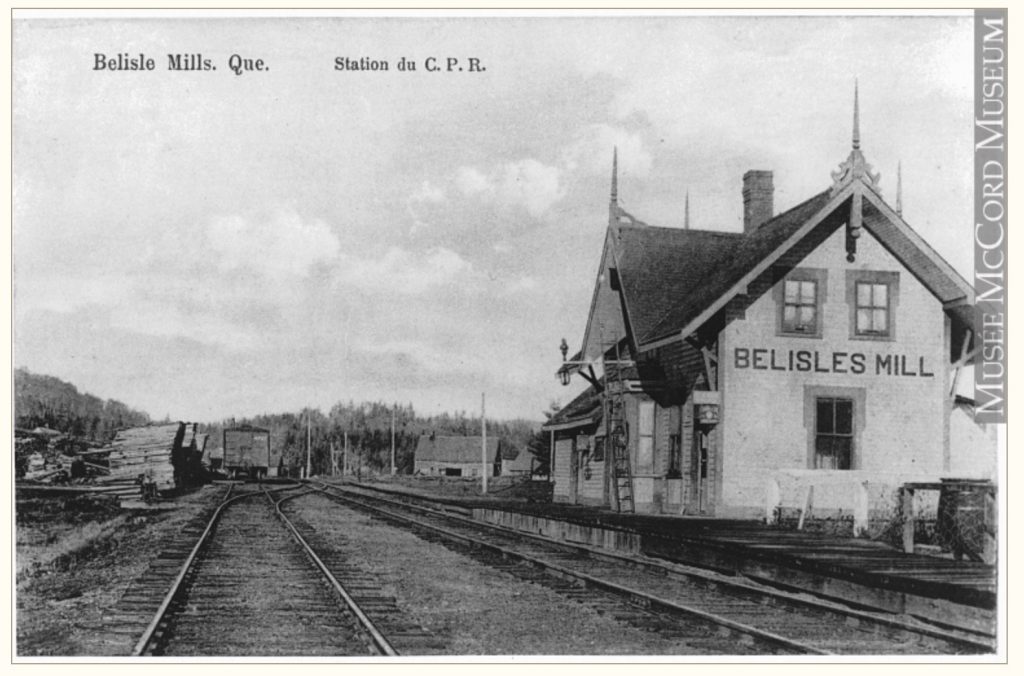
[(161, 612), (982, 644), (380, 642), (647, 599)]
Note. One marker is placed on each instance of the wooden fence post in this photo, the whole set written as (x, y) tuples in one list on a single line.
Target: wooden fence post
[(808, 502), (907, 511), (772, 501), (860, 508)]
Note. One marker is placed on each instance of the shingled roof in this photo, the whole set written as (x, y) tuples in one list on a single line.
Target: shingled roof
[(731, 263), (585, 409), (657, 266), (672, 278), (658, 285), (454, 449)]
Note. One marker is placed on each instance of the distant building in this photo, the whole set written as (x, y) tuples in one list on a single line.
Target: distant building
[(516, 461), (822, 344), (456, 456)]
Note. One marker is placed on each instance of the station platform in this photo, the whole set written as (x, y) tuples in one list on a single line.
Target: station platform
[(855, 571)]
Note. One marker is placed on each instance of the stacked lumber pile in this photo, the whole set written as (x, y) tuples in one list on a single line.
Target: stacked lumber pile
[(148, 453)]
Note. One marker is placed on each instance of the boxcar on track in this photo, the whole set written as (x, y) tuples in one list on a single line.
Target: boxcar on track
[(246, 452)]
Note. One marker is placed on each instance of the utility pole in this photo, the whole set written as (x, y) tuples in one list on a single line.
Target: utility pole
[(309, 439), (483, 436), (344, 456), (393, 440)]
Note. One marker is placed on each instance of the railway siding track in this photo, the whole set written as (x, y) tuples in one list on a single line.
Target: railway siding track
[(363, 591), (133, 614), (677, 637), (243, 587), (787, 621)]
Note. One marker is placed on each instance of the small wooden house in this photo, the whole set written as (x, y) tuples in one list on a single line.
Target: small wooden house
[(456, 456)]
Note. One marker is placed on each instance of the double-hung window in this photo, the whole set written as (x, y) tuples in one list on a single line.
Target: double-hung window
[(873, 297), (833, 443), (872, 309), (645, 440), (800, 308), (800, 294)]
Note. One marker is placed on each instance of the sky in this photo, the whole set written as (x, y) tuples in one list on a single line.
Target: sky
[(206, 245)]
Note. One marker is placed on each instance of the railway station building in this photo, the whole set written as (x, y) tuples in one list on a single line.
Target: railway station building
[(728, 372)]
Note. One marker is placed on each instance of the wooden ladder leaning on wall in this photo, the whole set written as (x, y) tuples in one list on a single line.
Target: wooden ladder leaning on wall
[(618, 431)]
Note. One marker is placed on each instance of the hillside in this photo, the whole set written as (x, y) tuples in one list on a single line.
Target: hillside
[(45, 401)]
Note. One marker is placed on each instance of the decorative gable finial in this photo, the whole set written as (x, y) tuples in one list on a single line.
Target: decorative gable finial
[(855, 166), (856, 115), (899, 188), (617, 215), (615, 176)]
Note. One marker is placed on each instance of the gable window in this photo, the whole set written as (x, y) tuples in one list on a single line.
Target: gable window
[(800, 309), (833, 444), (873, 297), (872, 309), (800, 295)]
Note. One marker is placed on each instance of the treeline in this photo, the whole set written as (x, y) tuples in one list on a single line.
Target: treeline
[(368, 427), (45, 401)]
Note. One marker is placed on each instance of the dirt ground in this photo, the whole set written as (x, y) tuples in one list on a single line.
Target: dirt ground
[(477, 609), (74, 560), (75, 557)]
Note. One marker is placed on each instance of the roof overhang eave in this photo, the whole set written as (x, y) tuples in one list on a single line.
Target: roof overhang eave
[(923, 245), (662, 342), (572, 424)]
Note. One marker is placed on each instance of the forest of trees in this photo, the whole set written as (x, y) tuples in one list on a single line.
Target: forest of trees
[(45, 401), (368, 426)]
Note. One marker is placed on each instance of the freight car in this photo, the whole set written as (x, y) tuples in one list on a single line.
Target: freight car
[(246, 452)]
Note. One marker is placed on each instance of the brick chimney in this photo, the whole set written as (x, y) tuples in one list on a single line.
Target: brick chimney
[(758, 192)]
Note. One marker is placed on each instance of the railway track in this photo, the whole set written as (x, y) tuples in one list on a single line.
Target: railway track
[(765, 620), (249, 584)]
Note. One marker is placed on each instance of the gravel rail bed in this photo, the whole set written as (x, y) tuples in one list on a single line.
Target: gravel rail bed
[(823, 631), (254, 592), (478, 604), (64, 605)]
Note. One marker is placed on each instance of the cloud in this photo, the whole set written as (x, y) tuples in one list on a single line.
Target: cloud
[(422, 355), (428, 192), (528, 184), (283, 245), (532, 185), (426, 196), (64, 293), (169, 322), (403, 272), (470, 181), (591, 152), (522, 285)]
